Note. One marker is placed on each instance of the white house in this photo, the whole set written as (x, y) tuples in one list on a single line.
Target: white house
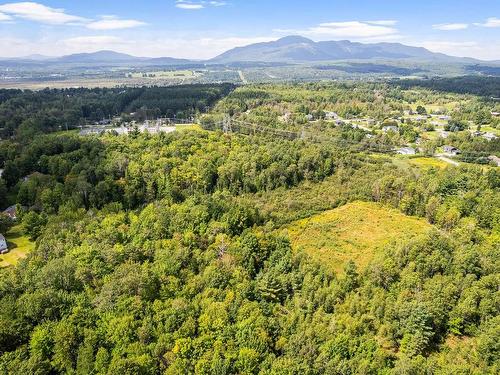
[(495, 160), (389, 128), (3, 245), (331, 116), (489, 136)]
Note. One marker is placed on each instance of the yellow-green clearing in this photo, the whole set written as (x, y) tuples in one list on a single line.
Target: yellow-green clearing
[(426, 162), (356, 231), (19, 245), (185, 127)]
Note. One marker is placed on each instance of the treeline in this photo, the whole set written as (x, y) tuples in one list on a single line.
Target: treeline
[(91, 172), (482, 86), (24, 113)]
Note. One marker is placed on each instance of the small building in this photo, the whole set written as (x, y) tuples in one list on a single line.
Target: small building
[(406, 151), (103, 122), (495, 114), (444, 134), (331, 116), (489, 136), (3, 245), (11, 212), (445, 118), (451, 150), (390, 128), (494, 159)]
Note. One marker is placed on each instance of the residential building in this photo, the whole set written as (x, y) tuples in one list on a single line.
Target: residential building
[(3, 245)]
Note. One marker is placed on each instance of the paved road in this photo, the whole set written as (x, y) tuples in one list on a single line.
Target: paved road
[(242, 77)]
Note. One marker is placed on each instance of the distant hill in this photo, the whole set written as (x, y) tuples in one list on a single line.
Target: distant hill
[(100, 56), (287, 50), (300, 49), (111, 57)]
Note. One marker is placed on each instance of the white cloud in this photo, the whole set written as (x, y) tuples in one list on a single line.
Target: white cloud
[(113, 23), (490, 22), (196, 5), (5, 17), (349, 29), (477, 50), (40, 13), (450, 26), (189, 6), (383, 22), (52, 16), (160, 46), (95, 42)]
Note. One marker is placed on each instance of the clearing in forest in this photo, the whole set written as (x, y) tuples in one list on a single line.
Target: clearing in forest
[(354, 231), (19, 246)]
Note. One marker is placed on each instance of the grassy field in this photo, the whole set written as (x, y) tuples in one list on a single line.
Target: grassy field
[(166, 74), (490, 129), (427, 162), (354, 231), (19, 245), (187, 127)]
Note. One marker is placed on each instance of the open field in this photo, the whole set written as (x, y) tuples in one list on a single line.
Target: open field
[(175, 74), (185, 127), (421, 162), (73, 82), (354, 231), (490, 129), (427, 162), (19, 245)]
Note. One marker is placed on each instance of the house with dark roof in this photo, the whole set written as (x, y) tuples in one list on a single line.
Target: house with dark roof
[(11, 212), (451, 150)]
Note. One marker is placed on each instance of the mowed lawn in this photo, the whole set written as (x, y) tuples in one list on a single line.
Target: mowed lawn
[(19, 245), (355, 231)]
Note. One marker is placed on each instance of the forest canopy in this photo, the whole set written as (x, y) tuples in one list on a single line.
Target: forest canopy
[(168, 253)]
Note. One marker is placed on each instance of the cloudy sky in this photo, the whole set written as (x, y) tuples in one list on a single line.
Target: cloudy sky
[(202, 28)]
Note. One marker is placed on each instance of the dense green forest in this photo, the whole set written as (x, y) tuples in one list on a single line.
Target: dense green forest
[(167, 254), (30, 112), (482, 86)]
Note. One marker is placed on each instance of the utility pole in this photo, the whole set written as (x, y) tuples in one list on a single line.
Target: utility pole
[(226, 124)]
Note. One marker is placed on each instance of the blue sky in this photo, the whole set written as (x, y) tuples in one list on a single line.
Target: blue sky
[(204, 28)]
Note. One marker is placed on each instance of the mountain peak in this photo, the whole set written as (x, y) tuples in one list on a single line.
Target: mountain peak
[(297, 49), (291, 39)]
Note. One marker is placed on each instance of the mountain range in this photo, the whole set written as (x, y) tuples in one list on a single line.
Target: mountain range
[(299, 49), (290, 49)]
